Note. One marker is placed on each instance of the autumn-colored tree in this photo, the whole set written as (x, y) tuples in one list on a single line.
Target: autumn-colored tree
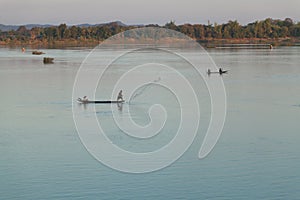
[(61, 31)]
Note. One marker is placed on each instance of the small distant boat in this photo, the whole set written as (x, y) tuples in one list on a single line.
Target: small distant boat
[(219, 72), (223, 72), (102, 102), (48, 60), (37, 53)]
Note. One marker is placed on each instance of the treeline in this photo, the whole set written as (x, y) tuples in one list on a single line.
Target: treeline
[(268, 28)]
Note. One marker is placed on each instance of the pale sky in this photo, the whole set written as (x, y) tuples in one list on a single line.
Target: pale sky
[(19, 12)]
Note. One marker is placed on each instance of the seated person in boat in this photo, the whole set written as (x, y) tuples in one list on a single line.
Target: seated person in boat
[(120, 96), (84, 99), (220, 70)]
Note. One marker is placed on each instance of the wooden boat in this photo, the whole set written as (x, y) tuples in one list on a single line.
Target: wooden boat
[(48, 60), (37, 53), (223, 72), (102, 102)]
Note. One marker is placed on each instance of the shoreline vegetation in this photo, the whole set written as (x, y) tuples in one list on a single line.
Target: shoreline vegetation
[(260, 34)]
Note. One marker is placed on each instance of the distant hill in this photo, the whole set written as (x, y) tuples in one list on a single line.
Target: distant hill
[(119, 23), (30, 26)]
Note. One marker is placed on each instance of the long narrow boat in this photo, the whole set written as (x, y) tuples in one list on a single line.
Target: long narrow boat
[(103, 102), (223, 72)]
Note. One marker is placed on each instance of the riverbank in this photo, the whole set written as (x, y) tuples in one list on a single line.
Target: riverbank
[(57, 44), (207, 43), (250, 42)]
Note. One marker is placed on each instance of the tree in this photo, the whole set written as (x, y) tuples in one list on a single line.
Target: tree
[(226, 32), (288, 22), (234, 29), (51, 33), (61, 30), (208, 31), (171, 25), (284, 31), (22, 29), (103, 32), (74, 32), (188, 30), (295, 30), (199, 31), (36, 33), (267, 27), (217, 31), (249, 31), (67, 34)]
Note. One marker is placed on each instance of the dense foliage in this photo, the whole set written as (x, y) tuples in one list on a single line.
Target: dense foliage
[(268, 28)]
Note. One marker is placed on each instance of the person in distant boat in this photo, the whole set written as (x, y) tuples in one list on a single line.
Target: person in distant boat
[(85, 98), (220, 70), (208, 72), (120, 96)]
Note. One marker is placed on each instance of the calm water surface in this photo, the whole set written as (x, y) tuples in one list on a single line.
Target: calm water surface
[(257, 156)]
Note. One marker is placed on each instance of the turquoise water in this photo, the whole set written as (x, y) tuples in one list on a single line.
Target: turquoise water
[(257, 156)]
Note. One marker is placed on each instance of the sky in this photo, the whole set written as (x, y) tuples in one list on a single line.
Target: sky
[(132, 12)]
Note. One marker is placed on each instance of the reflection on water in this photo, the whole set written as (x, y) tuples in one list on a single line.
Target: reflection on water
[(257, 156)]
